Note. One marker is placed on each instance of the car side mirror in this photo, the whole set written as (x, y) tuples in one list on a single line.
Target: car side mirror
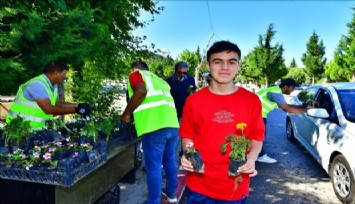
[(318, 113)]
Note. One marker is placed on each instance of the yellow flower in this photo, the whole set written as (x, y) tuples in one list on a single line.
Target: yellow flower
[(241, 126)]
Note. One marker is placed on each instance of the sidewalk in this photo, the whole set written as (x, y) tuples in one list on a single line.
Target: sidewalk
[(137, 192)]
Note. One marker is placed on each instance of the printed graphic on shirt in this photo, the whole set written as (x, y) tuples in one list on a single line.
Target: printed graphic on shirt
[(223, 116)]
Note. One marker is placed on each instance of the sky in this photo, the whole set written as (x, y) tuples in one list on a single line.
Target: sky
[(189, 24)]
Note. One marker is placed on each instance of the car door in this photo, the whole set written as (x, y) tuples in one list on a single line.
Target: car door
[(319, 128), (303, 124)]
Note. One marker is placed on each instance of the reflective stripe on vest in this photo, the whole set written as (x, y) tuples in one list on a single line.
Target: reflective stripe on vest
[(268, 105), (157, 110), (29, 110)]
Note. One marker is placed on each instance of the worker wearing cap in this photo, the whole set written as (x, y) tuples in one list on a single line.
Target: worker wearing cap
[(272, 98)]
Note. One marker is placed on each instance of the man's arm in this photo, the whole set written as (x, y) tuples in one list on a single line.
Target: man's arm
[(46, 106), (139, 94), (289, 108), (281, 103)]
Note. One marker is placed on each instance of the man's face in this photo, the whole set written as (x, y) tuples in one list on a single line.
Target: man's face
[(223, 66), (180, 73), (60, 76), (288, 90)]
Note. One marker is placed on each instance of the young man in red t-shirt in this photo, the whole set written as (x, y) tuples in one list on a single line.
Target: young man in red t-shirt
[(208, 117)]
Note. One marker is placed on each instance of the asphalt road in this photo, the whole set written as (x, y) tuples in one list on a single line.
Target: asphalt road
[(296, 178)]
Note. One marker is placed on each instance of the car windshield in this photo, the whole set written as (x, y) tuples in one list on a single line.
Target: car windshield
[(347, 101)]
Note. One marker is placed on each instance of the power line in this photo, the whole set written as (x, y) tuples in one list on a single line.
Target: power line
[(209, 15)]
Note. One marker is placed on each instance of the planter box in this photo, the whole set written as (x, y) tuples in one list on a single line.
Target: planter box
[(66, 174), (89, 189)]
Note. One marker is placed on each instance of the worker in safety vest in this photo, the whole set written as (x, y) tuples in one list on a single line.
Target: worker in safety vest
[(157, 123), (272, 98), (37, 99)]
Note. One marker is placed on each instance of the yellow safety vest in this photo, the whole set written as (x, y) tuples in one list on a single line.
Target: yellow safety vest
[(29, 110), (157, 110), (268, 105)]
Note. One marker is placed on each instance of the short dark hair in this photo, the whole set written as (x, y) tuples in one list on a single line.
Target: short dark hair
[(139, 65), (55, 66), (221, 46), (288, 82), (181, 64)]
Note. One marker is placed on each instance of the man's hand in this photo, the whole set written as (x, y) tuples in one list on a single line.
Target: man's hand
[(186, 164), (83, 109)]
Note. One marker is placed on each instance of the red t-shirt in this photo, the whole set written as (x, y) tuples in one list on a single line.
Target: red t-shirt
[(135, 78), (207, 119)]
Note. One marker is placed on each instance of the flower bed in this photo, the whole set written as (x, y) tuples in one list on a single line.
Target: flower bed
[(67, 172)]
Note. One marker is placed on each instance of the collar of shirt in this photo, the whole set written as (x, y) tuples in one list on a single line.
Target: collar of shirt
[(52, 86)]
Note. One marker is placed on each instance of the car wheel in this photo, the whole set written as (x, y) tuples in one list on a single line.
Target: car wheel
[(289, 131), (342, 180)]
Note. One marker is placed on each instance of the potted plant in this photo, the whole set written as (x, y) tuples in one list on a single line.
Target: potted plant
[(194, 156), (17, 132), (238, 145)]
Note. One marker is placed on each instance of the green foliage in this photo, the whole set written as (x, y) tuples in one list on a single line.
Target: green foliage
[(314, 60), (298, 74), (335, 73), (16, 131), (265, 59), (191, 58), (75, 32), (293, 63), (239, 146), (90, 130), (344, 56)]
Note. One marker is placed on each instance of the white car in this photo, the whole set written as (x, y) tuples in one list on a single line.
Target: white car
[(328, 132)]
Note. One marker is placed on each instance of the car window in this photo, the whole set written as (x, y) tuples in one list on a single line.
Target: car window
[(347, 101), (307, 95), (324, 100)]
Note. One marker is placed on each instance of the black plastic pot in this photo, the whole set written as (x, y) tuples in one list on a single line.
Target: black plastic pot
[(233, 167), (196, 161)]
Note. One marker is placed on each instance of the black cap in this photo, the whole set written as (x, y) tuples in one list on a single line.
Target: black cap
[(288, 82)]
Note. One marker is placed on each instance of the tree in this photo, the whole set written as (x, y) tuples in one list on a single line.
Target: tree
[(248, 70), (314, 60), (298, 74), (93, 35), (191, 58), (344, 56), (293, 63), (334, 72), (269, 58)]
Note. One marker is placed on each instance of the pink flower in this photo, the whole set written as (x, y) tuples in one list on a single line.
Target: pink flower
[(23, 156), (47, 156), (76, 154), (35, 155), (85, 145), (51, 149), (59, 143)]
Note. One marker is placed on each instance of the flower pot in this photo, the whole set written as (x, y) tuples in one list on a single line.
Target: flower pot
[(233, 167), (196, 161)]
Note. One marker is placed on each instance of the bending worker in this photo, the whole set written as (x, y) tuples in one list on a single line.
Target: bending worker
[(37, 99), (272, 98)]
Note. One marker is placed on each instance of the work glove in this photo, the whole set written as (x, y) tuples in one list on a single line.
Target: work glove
[(83, 109)]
